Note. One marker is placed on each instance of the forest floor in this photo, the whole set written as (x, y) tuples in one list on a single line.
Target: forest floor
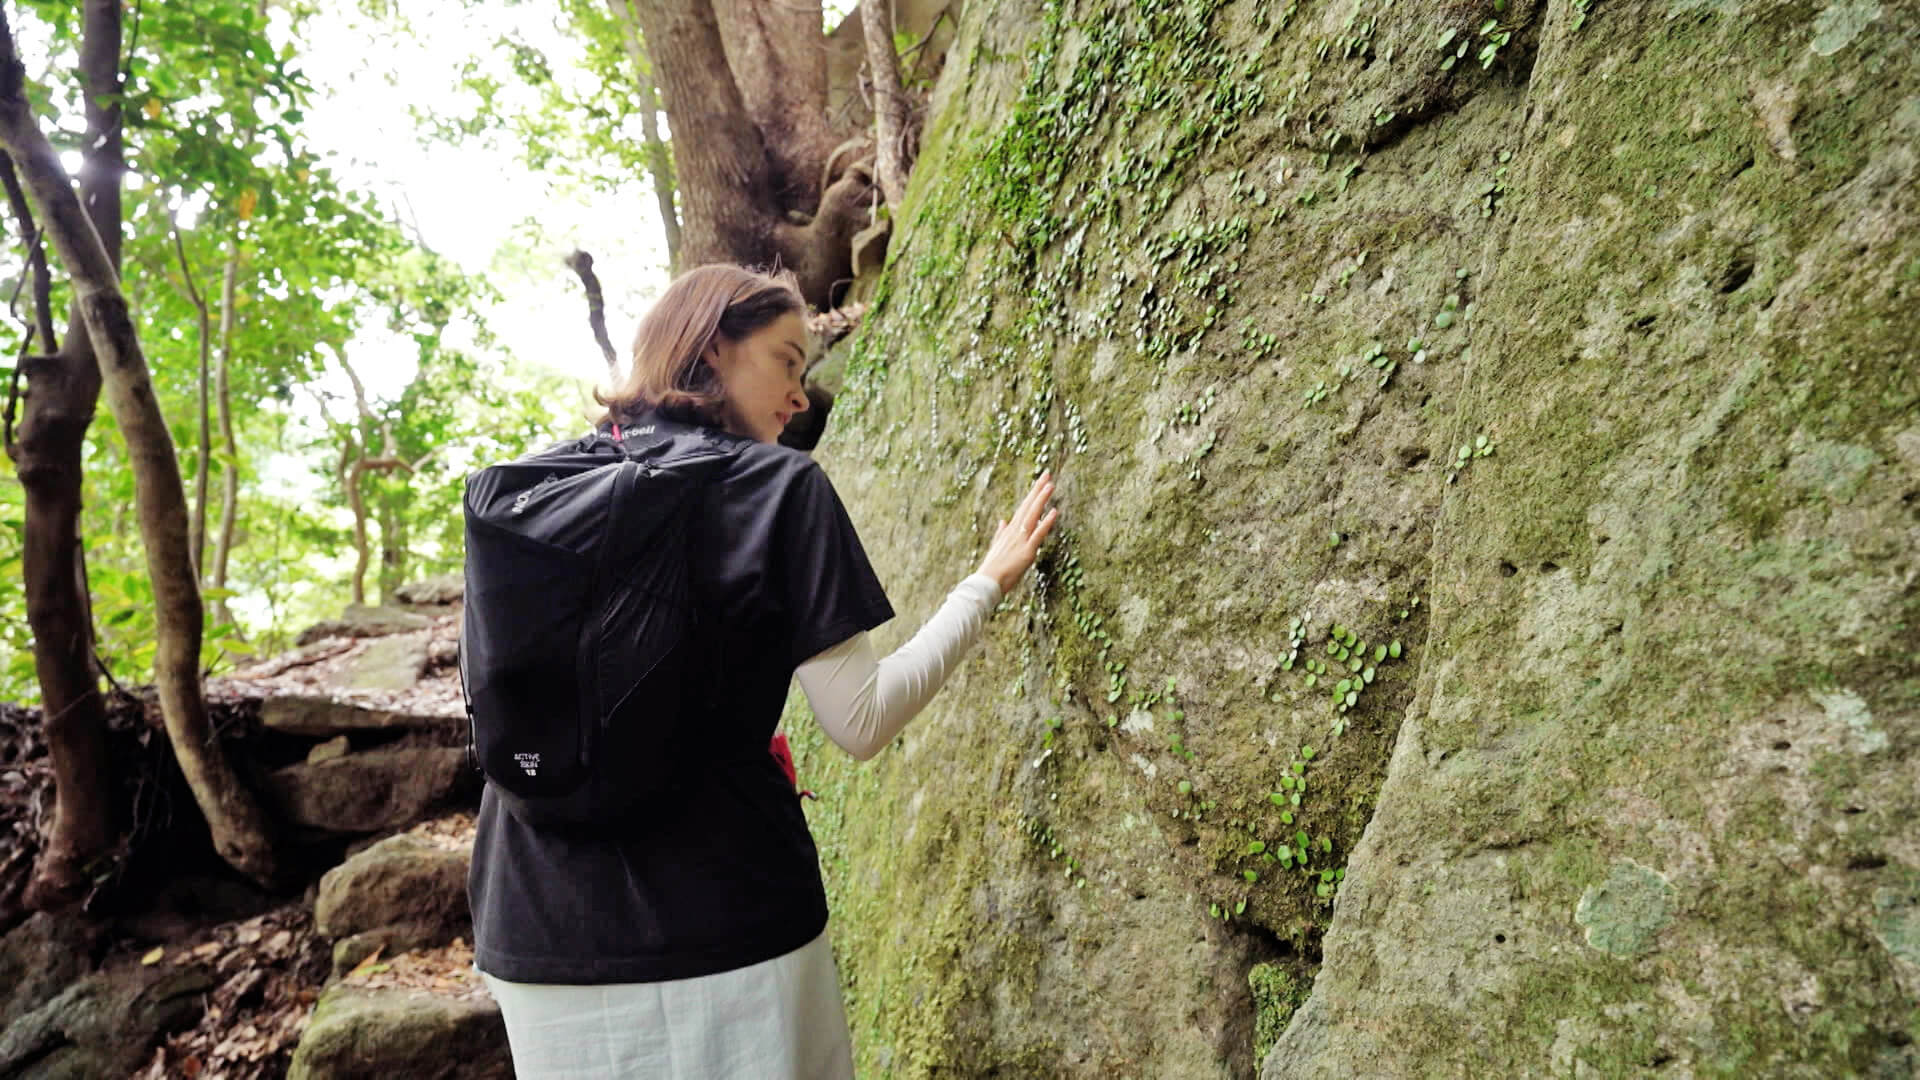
[(159, 902)]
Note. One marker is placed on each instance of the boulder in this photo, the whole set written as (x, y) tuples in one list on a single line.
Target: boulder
[(403, 879), (368, 791), (323, 717), (438, 591), (103, 1025), (359, 621), (357, 1032), (395, 662)]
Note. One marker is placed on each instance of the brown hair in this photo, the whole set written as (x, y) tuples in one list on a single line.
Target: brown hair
[(668, 369)]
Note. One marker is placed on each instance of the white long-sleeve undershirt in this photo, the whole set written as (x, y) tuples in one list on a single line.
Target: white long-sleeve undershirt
[(862, 703)]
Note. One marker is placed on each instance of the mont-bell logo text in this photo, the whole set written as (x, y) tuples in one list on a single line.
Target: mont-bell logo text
[(529, 763), (520, 500)]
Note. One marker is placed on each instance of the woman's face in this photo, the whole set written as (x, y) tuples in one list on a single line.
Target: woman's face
[(760, 375)]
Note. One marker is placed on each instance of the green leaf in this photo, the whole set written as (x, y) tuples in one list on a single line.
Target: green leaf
[(1251, 875), (1393, 649), (1185, 787), (1255, 847), (1307, 752)]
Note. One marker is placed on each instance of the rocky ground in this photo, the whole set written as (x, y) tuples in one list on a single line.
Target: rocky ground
[(360, 966)]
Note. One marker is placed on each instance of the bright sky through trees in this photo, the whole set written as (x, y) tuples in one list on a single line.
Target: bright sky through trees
[(475, 202)]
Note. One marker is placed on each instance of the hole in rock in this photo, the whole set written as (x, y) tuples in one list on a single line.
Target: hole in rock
[(1499, 939), (1866, 862), (1644, 322), (1738, 272), (1507, 569), (1783, 745), (1549, 566)]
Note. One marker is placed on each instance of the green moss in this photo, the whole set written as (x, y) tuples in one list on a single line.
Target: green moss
[(1276, 994)]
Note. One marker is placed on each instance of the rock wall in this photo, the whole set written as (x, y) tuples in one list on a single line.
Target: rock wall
[(1490, 469)]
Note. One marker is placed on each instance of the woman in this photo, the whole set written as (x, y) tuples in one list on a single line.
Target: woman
[(696, 945)]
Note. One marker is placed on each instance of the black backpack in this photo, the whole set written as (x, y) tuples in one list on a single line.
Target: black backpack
[(582, 685)]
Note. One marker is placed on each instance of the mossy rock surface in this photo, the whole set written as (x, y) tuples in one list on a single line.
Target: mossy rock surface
[(1582, 381), (359, 1032)]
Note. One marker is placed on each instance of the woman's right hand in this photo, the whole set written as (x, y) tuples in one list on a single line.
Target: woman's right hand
[(1018, 539)]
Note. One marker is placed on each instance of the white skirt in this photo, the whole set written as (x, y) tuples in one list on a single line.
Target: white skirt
[(780, 1019)]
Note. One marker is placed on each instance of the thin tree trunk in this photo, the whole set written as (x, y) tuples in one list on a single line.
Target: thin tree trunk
[(230, 447), (46, 455), (659, 166), (62, 389), (890, 101), (352, 467), (393, 545), (238, 827), (197, 542)]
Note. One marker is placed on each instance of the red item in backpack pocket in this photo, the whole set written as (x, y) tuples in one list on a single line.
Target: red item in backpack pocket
[(784, 755)]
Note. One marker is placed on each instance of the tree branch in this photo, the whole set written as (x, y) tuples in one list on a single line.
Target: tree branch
[(581, 263), (36, 258)]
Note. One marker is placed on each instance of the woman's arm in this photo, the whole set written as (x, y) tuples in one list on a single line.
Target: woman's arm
[(862, 703)]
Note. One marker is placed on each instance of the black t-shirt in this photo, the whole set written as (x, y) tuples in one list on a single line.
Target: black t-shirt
[(727, 875)]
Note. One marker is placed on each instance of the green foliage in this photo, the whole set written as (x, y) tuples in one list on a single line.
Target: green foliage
[(213, 124)]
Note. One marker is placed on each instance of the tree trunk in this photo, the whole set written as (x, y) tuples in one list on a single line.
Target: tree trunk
[(393, 544), (352, 466), (777, 52), (197, 539), (238, 827), (230, 447), (890, 101), (62, 390), (658, 164), (728, 201)]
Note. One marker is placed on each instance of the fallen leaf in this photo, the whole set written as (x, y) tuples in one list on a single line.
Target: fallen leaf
[(367, 966), (153, 956), (207, 949)]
